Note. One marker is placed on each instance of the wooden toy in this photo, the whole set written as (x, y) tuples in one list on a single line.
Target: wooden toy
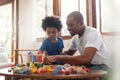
[(55, 72), (39, 58), (67, 72), (39, 68), (60, 71), (28, 71)]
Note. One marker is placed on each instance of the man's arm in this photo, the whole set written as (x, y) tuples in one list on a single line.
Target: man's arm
[(50, 59), (69, 52), (83, 59)]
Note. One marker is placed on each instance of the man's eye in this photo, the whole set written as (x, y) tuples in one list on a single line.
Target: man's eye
[(48, 32), (70, 25)]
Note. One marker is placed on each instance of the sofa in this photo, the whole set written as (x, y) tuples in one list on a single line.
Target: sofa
[(4, 59)]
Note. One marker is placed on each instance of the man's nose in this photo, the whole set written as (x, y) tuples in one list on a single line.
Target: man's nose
[(68, 28)]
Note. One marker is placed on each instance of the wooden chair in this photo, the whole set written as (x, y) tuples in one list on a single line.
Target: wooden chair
[(21, 53)]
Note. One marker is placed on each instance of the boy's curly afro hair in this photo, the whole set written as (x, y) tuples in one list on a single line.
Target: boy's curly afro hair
[(51, 21)]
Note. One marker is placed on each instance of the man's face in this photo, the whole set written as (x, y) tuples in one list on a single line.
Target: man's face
[(73, 26)]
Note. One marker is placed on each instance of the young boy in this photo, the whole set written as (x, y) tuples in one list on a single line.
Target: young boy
[(53, 44)]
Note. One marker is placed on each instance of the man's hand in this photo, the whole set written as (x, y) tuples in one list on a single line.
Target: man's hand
[(49, 59)]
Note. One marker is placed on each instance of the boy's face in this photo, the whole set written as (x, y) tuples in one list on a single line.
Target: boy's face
[(52, 33)]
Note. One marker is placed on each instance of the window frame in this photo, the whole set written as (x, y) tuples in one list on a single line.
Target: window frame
[(6, 2), (106, 33)]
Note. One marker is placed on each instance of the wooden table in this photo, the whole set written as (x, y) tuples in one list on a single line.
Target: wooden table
[(92, 74)]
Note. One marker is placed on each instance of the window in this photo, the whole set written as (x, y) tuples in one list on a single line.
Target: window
[(46, 7), (65, 10), (74, 5), (110, 15), (6, 27), (43, 8)]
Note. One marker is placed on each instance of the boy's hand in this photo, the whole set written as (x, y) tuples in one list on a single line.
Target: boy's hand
[(46, 61)]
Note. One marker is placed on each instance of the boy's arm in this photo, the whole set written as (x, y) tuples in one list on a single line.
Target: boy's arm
[(40, 52)]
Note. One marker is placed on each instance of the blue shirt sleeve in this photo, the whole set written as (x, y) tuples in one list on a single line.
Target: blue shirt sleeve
[(61, 43), (43, 46)]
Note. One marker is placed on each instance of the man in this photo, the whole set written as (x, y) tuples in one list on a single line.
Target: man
[(88, 41)]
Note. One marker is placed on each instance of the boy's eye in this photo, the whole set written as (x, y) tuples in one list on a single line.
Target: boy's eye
[(51, 32)]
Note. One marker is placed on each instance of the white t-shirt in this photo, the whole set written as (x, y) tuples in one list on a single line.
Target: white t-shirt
[(92, 38)]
